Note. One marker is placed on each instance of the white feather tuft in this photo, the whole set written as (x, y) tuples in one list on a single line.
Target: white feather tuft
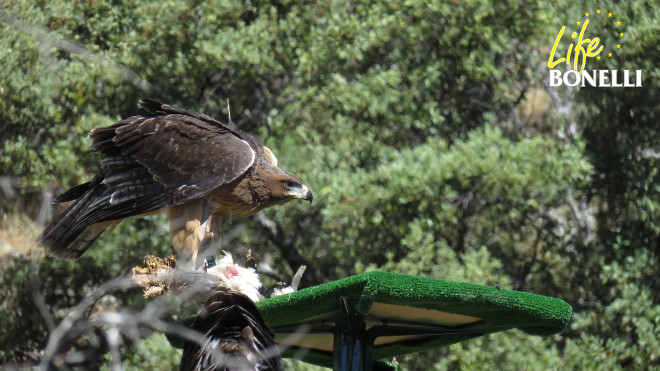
[(245, 280)]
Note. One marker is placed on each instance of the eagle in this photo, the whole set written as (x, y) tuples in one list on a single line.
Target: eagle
[(197, 170), (237, 336)]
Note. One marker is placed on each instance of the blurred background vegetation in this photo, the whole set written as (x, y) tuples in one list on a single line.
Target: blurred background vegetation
[(425, 129)]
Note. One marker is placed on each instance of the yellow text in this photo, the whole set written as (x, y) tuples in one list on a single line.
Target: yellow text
[(579, 49)]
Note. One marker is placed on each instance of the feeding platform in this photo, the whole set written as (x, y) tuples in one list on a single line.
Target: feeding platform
[(348, 323)]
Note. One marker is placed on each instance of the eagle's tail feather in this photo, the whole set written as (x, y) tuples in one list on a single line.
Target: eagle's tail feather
[(70, 235)]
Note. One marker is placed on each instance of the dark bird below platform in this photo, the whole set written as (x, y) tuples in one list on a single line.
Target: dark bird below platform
[(237, 337), (188, 165)]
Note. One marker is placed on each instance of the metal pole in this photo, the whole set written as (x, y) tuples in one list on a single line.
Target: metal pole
[(350, 340)]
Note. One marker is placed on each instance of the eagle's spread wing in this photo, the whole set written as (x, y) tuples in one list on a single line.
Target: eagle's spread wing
[(150, 162)]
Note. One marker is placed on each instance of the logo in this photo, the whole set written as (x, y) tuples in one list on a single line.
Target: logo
[(585, 49)]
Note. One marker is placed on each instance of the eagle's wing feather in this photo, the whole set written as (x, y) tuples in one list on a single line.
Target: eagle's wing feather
[(164, 160), (161, 108)]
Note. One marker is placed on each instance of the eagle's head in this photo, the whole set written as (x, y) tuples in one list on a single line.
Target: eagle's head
[(277, 186), (290, 187)]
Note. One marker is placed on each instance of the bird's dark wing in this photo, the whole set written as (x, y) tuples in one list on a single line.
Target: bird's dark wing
[(164, 109), (166, 158), (237, 337)]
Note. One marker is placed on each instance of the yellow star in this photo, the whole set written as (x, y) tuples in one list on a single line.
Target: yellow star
[(586, 14), (578, 23), (609, 54), (598, 58), (621, 34), (597, 11), (618, 46), (609, 14), (618, 23)]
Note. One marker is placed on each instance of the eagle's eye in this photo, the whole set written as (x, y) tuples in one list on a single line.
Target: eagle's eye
[(290, 184)]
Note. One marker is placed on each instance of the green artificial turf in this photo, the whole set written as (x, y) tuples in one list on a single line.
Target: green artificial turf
[(497, 309)]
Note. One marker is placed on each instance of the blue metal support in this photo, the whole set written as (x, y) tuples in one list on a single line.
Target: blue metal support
[(349, 340), (354, 344)]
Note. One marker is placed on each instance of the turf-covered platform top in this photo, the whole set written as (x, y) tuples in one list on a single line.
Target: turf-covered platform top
[(400, 314)]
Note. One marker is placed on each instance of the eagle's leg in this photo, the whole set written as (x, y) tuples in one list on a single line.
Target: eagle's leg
[(211, 244), (189, 227)]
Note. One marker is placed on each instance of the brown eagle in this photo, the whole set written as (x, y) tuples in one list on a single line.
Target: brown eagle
[(188, 165), (237, 336)]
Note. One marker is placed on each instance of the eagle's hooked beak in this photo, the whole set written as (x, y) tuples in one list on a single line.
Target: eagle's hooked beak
[(303, 193), (307, 194)]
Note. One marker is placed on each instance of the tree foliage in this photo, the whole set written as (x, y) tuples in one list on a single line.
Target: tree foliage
[(425, 130)]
